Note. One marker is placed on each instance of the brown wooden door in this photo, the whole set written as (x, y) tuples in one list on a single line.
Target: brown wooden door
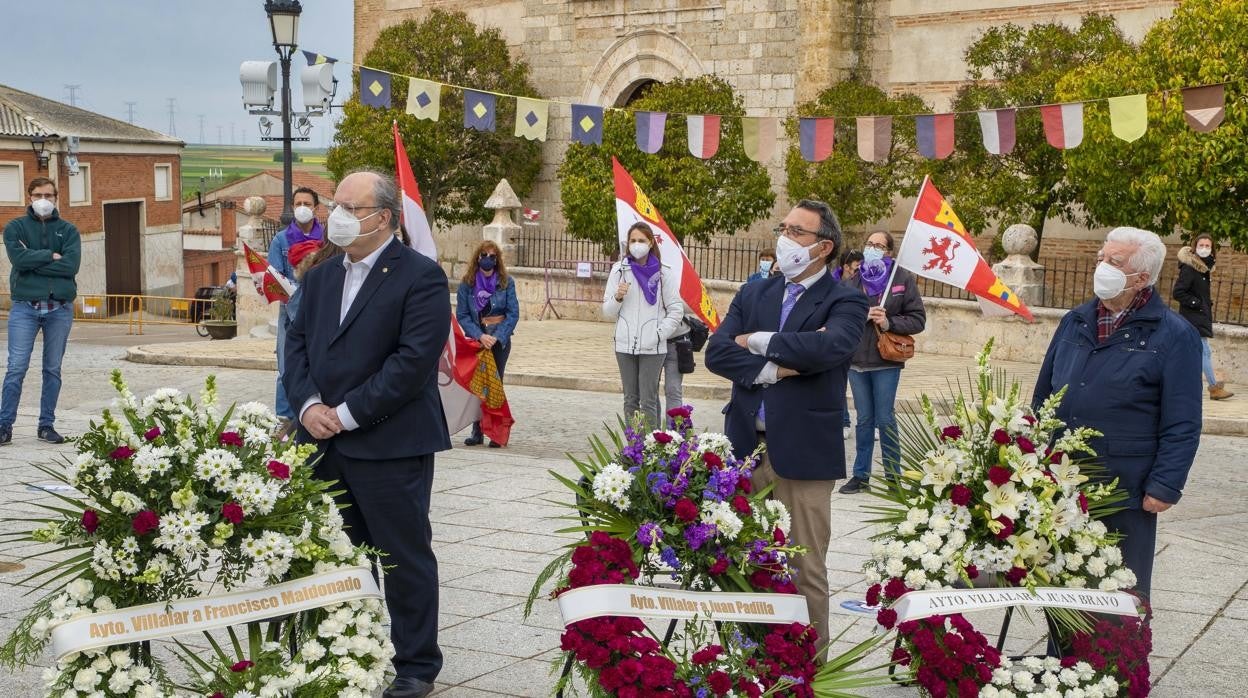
[(122, 261)]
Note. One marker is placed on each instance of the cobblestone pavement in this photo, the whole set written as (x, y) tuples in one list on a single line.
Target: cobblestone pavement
[(493, 530)]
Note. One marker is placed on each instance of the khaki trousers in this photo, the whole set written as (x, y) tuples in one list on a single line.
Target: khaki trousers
[(810, 506)]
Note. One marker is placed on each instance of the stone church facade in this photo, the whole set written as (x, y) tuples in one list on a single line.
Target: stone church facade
[(775, 53)]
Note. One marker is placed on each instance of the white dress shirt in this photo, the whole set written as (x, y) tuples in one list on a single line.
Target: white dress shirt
[(759, 340), (357, 273)]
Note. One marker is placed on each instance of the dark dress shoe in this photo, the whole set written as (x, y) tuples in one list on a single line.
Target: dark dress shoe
[(408, 687)]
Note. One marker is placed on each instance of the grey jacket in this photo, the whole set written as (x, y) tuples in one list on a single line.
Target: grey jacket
[(904, 308)]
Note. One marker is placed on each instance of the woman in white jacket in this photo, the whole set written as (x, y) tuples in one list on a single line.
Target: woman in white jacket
[(643, 299)]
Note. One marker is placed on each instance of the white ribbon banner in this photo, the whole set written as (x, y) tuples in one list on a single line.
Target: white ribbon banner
[(921, 604), (654, 602), (166, 619)]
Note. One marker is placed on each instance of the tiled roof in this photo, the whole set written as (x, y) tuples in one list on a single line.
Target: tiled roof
[(25, 114)]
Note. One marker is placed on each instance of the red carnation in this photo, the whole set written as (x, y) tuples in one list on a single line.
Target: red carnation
[(230, 438), (707, 654), (232, 512), (686, 510), (152, 434), (144, 522), (972, 572), (279, 470), (999, 475), (1025, 445), (1007, 529), (960, 495), (90, 520), (895, 588), (218, 694), (719, 566), (1083, 502), (887, 617), (121, 453), (720, 682), (741, 504), (901, 656), (1029, 419), (1001, 437), (662, 437), (242, 666), (951, 433), (682, 411), (778, 536), (1015, 575), (744, 485), (1056, 457), (873, 595), (712, 461)]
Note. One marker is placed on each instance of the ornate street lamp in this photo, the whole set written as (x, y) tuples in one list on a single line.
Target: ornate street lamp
[(284, 22)]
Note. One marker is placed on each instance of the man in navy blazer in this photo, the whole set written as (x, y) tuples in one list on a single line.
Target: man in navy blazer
[(361, 362), (786, 344)]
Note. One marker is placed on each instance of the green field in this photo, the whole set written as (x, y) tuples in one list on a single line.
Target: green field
[(234, 163)]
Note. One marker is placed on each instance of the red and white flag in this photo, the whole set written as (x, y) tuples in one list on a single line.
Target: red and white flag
[(273, 285), (1063, 124), (998, 128), (532, 214), (459, 357), (703, 135), (937, 246), (632, 205)]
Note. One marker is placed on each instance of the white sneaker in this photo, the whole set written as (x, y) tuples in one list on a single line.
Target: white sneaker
[(847, 433)]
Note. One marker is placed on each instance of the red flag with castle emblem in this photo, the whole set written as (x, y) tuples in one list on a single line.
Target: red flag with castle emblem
[(937, 246), (632, 205), (256, 263)]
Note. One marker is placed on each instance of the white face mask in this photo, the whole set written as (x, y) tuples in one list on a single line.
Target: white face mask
[(344, 227), (303, 214), (639, 250), (792, 258), (43, 207), (1108, 282), (1204, 252)]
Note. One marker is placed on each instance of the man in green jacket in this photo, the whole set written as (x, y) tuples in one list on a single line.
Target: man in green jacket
[(45, 251)]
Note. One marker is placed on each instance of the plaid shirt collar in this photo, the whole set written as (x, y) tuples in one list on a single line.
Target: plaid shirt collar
[(1108, 322)]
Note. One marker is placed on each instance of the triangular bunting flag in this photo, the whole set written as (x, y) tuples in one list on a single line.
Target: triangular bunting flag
[(875, 137), (935, 135), (650, 130), (318, 58), (816, 137), (587, 124), (531, 118), (1063, 124), (479, 110), (375, 88), (632, 205), (703, 135), (937, 246), (1204, 107), (424, 99), (758, 137), (997, 125), (1128, 116)]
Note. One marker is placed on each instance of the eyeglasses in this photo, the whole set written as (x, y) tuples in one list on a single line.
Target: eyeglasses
[(351, 208), (792, 231), (876, 246)]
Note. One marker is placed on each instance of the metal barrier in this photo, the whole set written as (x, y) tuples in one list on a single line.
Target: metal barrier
[(131, 310), (574, 281)]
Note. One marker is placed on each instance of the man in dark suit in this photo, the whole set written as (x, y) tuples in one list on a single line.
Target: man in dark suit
[(785, 345), (361, 362)]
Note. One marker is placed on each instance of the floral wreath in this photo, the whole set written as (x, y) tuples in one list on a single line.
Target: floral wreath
[(175, 497), (675, 503), (995, 497)]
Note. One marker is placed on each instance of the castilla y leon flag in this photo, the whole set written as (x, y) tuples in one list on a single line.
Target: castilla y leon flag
[(468, 384), (273, 286), (256, 263), (632, 205), (937, 246)]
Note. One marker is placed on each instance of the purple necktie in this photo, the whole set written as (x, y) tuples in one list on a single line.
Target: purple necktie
[(791, 292)]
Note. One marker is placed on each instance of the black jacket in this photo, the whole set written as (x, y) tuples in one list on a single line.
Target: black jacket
[(1191, 290), (905, 312)]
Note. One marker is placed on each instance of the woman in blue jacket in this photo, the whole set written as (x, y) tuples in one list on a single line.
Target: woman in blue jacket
[(487, 310)]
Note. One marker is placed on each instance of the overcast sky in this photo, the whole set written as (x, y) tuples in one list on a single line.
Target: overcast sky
[(147, 51)]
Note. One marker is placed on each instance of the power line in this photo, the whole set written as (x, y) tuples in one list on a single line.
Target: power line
[(173, 126), (73, 94), (201, 129), (130, 111), (231, 133), (220, 140)]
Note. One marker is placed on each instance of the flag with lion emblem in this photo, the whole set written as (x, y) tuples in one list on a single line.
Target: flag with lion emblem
[(937, 246)]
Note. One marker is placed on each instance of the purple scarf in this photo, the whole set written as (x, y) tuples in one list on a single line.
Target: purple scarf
[(294, 235), (484, 288), (647, 275), (875, 276)]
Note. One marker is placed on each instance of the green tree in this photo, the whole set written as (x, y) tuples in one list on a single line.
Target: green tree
[(457, 168), (1172, 177), (860, 192), (698, 198), (1012, 65)]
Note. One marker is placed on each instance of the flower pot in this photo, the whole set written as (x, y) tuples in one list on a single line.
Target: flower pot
[(221, 329)]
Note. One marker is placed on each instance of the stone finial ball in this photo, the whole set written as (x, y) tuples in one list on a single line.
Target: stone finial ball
[(254, 206), (1019, 238)]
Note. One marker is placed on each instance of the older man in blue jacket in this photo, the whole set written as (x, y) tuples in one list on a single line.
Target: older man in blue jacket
[(785, 345), (1132, 369)]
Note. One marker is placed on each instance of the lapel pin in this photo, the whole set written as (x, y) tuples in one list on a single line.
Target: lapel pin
[(385, 270)]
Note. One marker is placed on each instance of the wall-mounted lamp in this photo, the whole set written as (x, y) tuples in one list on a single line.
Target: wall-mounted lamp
[(39, 145)]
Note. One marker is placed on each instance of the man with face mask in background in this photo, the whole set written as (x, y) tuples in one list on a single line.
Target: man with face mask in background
[(361, 367), (786, 344), (1131, 368), (45, 251), (303, 228)]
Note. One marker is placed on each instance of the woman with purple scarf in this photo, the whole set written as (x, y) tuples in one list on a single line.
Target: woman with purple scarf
[(487, 310), (896, 307), (643, 299)]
